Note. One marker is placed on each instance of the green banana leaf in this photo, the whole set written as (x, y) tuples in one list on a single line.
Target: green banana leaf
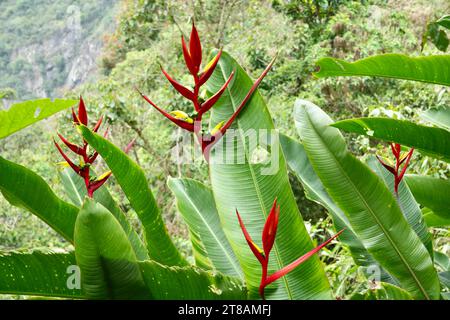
[(39, 274), (438, 116), (25, 189), (368, 204), (76, 191), (431, 141), (431, 69), (445, 279), (134, 184), (250, 185), (385, 291), (108, 264), (299, 163), (190, 283), (432, 193), (406, 202), (23, 114), (434, 220), (442, 260), (196, 204)]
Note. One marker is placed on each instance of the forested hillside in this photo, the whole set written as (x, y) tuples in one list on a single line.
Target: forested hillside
[(47, 47)]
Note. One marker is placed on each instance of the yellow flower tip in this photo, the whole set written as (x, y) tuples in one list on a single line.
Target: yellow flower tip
[(181, 115), (103, 176), (63, 164), (210, 63), (217, 127), (258, 248)]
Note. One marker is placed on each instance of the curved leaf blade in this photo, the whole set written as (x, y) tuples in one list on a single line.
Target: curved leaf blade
[(432, 193), (299, 163), (108, 264), (252, 186), (368, 204), (39, 274), (431, 141), (431, 69), (134, 184), (433, 220), (23, 114), (385, 291), (196, 204), (25, 189), (190, 283), (438, 116), (406, 202), (76, 190)]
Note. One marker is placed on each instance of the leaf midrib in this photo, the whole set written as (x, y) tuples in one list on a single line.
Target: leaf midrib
[(255, 182), (371, 211)]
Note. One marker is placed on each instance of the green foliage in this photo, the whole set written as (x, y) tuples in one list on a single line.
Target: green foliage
[(134, 184), (370, 207), (24, 188), (253, 189), (384, 291), (430, 141), (24, 114), (76, 191), (252, 31), (41, 274), (432, 69), (436, 33), (212, 251), (190, 283), (107, 262), (431, 193), (438, 116)]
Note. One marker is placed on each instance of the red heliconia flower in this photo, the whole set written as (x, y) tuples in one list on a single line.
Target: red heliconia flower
[(268, 240), (397, 170), (86, 159), (193, 58)]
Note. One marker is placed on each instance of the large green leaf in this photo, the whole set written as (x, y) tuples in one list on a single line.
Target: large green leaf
[(442, 260), (196, 204), (23, 114), (190, 283), (25, 189), (406, 202), (299, 163), (385, 291), (438, 116), (431, 141), (134, 184), (434, 220), (76, 190), (432, 193), (368, 204), (251, 187), (432, 69), (108, 264), (39, 274), (445, 279)]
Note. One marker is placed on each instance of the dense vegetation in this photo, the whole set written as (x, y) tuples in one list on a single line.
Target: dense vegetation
[(252, 31)]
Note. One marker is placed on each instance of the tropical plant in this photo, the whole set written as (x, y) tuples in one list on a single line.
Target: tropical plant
[(325, 146), (379, 209), (112, 260)]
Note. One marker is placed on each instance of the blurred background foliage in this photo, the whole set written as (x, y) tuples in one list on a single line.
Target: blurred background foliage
[(148, 33)]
